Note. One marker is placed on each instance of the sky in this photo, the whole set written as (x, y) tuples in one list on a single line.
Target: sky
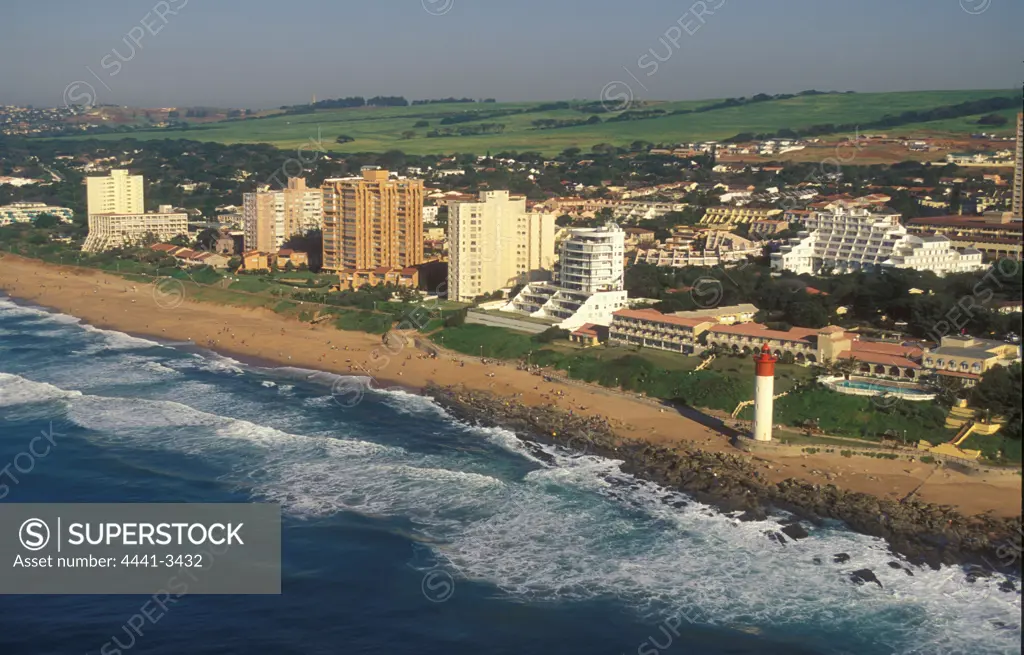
[(266, 53)]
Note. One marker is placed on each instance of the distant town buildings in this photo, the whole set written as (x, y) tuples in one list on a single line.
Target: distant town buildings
[(707, 247), (26, 212), (495, 243), (843, 241), (724, 218), (995, 235), (589, 286), (269, 217), (117, 217), (372, 221)]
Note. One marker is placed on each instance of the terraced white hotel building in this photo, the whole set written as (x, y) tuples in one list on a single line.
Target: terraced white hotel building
[(589, 287), (848, 240)]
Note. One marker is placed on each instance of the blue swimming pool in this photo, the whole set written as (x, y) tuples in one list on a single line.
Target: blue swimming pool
[(880, 387)]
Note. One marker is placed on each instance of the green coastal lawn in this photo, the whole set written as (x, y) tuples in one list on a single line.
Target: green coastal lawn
[(377, 130)]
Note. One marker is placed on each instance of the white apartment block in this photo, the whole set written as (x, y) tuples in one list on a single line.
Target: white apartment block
[(117, 193), (108, 231), (496, 243), (848, 240), (269, 218), (26, 212), (589, 287)]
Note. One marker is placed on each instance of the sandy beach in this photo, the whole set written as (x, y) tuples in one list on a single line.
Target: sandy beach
[(110, 302)]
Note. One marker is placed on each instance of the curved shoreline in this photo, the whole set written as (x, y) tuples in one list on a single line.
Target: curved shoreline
[(924, 533), (653, 440)]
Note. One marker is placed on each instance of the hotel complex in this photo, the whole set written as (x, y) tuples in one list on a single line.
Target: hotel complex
[(270, 217), (495, 243), (372, 221), (847, 240), (117, 217), (26, 212), (589, 286)]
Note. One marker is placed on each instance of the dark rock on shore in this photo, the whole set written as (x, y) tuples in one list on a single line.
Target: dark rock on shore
[(862, 576), (921, 532), (795, 531)]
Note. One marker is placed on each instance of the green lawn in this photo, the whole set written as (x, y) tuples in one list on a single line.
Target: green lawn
[(858, 416), (377, 130)]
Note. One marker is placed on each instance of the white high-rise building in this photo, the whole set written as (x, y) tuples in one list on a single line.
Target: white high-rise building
[(848, 240), (117, 193), (117, 217), (496, 243), (1018, 176), (269, 218), (590, 282)]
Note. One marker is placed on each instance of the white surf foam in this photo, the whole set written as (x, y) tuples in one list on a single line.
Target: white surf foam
[(585, 530), (16, 390)]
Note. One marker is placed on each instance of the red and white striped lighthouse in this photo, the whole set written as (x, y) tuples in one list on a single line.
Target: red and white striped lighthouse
[(764, 393)]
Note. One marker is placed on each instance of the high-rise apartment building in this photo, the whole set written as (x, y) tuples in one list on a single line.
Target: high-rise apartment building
[(1018, 176), (270, 217), (117, 218), (372, 221), (590, 285), (495, 243), (117, 193)]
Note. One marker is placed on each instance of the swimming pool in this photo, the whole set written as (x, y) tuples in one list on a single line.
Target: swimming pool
[(877, 388)]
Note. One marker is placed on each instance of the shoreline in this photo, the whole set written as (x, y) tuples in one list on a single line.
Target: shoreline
[(259, 337)]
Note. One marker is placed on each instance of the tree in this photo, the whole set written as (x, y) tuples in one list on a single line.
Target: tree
[(421, 124), (207, 239), (47, 221), (408, 134)]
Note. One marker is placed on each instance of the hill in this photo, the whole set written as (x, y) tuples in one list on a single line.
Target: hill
[(497, 127)]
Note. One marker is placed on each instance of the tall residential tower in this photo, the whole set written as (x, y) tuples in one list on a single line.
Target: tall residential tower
[(117, 193), (270, 217), (495, 243), (372, 221)]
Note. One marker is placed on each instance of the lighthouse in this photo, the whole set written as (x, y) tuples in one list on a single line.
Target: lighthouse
[(764, 392)]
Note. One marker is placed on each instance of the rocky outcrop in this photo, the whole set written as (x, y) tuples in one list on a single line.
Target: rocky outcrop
[(922, 532)]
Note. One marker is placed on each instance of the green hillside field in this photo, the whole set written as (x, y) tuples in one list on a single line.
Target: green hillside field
[(381, 129)]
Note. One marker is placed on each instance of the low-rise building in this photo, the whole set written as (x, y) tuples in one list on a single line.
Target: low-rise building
[(728, 315), (26, 212), (652, 329), (351, 279), (967, 358), (107, 231), (723, 218), (287, 256), (255, 260)]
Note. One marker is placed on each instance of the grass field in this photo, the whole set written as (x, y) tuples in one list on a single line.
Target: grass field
[(377, 130)]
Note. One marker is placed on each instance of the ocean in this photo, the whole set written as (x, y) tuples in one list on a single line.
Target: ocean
[(405, 531)]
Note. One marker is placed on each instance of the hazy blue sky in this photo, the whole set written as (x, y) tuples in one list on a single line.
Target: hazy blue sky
[(263, 53)]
